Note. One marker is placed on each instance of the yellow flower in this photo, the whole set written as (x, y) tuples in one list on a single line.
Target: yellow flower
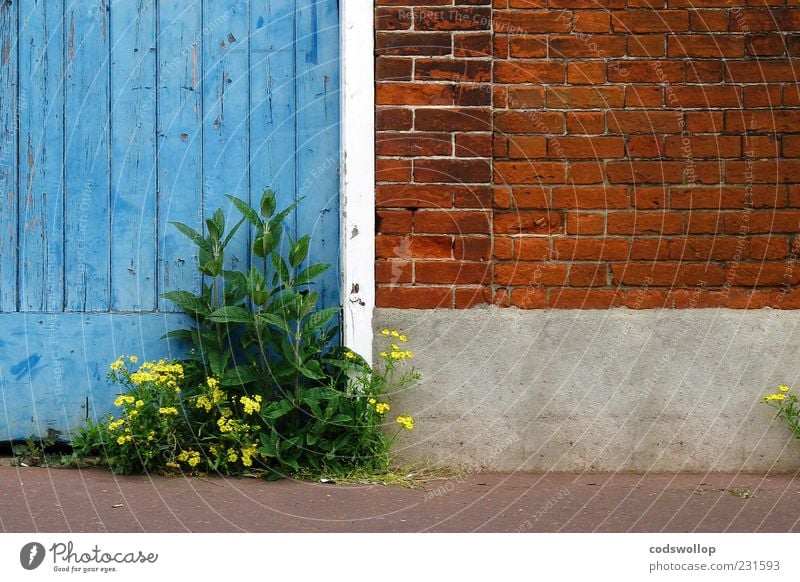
[(122, 439), (372, 401), (385, 332), (114, 425), (403, 338), (382, 408), (173, 465), (183, 456), (232, 456), (151, 435), (117, 365), (212, 382), (251, 405), (124, 399), (384, 354), (773, 397), (395, 333), (133, 359), (133, 413), (168, 411), (139, 403), (350, 355), (247, 455), (783, 388), (194, 459), (204, 403), (406, 422)]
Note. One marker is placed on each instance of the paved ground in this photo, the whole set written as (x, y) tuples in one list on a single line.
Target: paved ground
[(69, 500)]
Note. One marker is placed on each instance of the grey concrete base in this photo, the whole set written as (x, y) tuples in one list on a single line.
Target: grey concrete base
[(598, 390)]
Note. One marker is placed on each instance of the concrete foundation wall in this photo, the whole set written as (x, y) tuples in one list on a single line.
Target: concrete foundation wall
[(615, 390)]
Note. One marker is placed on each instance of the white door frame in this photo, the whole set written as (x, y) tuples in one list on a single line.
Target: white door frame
[(357, 174)]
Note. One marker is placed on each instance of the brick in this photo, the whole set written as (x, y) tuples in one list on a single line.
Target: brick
[(398, 221), (393, 18), (471, 248), (584, 97), (529, 298), (471, 145), (708, 20), (393, 170), (664, 273), (466, 297), (597, 46), (461, 222), (705, 97), (462, 70), (413, 297), (453, 119), (762, 274), (591, 21), (585, 298), (650, 198), (542, 273), (762, 121), (525, 97), (413, 144), (413, 43), (473, 95), (597, 148), (644, 223), (716, 146), (761, 146), (531, 249), (586, 122), (765, 45), (529, 172), (472, 45), (458, 18), (591, 197), (527, 46), (646, 45), (586, 73), (704, 71), (529, 121), (414, 196), (705, 46), (451, 273), (671, 21), (585, 223), (529, 72), (645, 172), (417, 247), (705, 249), (583, 173), (527, 222), (644, 96), (704, 121), (762, 95), (397, 119), (717, 197), (650, 121), (588, 275), (590, 249), (527, 146), (525, 197), (472, 195), (765, 20), (394, 69), (768, 248), (648, 249), (645, 146), (763, 172), (394, 272), (532, 21), (654, 71), (452, 170), (763, 71)]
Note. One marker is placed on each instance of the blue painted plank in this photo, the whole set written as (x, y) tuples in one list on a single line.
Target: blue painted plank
[(180, 144), (86, 158), (317, 152), (133, 155), (41, 137), (9, 104), (272, 100), (225, 116), (53, 365)]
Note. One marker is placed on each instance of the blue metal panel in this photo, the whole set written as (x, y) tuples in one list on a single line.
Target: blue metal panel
[(180, 114), (133, 155), (41, 146), (9, 105), (86, 159)]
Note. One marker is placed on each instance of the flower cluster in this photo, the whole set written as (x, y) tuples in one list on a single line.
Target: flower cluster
[(406, 421), (779, 395), (396, 352)]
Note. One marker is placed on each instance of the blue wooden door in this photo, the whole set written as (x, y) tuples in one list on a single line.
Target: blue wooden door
[(117, 117)]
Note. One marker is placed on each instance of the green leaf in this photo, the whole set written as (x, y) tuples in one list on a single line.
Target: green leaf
[(277, 409), (239, 376), (311, 438), (281, 270), (299, 251), (193, 235), (188, 302), (232, 232), (246, 210), (279, 218), (315, 394), (342, 418), (218, 361), (319, 319), (263, 244), (306, 276), (268, 203), (311, 370), (231, 314), (276, 320), (308, 303)]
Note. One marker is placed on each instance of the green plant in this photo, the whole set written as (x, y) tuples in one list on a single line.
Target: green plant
[(33, 452), (786, 405), (265, 385)]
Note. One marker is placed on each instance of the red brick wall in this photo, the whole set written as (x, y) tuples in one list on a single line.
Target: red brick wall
[(588, 154)]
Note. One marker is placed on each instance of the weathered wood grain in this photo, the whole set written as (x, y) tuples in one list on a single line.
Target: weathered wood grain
[(9, 106)]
